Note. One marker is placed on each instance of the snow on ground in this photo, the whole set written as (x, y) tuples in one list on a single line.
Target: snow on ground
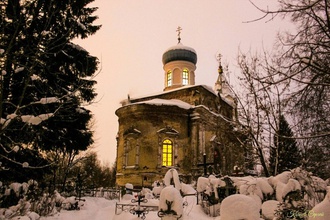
[(102, 209), (255, 194), (97, 208)]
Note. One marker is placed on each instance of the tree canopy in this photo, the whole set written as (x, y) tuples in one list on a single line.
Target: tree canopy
[(292, 80)]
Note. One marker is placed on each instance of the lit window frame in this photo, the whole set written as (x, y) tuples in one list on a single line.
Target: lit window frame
[(167, 153), (185, 77), (169, 78)]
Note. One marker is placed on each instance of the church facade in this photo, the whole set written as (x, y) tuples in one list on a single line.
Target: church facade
[(186, 126)]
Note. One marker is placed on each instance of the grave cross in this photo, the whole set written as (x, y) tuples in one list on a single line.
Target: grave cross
[(204, 164)]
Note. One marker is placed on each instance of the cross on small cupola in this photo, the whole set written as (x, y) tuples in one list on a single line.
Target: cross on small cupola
[(179, 29), (218, 57), (219, 83)]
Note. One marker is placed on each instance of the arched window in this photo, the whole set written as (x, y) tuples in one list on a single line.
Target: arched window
[(167, 153), (169, 78), (185, 77)]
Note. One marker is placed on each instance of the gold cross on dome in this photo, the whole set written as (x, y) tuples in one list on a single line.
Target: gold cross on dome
[(179, 29)]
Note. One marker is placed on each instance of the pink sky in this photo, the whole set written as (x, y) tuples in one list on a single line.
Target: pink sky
[(135, 33)]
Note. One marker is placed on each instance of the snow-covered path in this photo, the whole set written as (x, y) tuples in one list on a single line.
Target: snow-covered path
[(93, 208), (102, 209)]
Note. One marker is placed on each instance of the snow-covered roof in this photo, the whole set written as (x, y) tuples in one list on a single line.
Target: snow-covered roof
[(224, 97), (168, 102), (228, 99), (169, 91)]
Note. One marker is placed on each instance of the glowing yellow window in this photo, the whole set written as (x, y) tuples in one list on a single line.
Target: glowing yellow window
[(169, 78), (167, 153), (185, 77)]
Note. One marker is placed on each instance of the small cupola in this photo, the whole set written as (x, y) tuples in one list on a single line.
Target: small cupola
[(179, 65), (222, 87)]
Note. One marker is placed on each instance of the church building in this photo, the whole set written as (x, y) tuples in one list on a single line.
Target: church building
[(187, 127)]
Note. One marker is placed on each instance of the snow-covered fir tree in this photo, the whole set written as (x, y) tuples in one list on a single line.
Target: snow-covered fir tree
[(45, 81), (285, 154)]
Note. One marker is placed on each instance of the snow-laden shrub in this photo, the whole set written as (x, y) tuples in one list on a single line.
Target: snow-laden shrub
[(71, 203), (25, 200), (266, 189), (297, 191), (282, 189), (288, 195), (280, 178), (187, 189), (251, 188), (239, 181), (292, 186), (58, 199), (147, 193), (172, 178), (239, 207), (16, 200), (157, 190), (314, 188), (204, 185), (129, 186), (33, 216), (322, 210), (171, 196), (268, 209), (171, 201), (256, 188), (208, 186), (157, 187), (20, 209), (17, 188)]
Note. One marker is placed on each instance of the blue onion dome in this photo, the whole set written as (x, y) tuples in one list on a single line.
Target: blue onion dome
[(180, 52)]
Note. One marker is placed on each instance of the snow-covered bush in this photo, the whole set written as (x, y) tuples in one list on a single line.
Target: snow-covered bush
[(293, 205), (314, 188), (147, 193), (239, 207), (71, 203), (266, 189), (204, 185), (128, 192), (268, 209), (294, 194), (207, 189), (322, 210), (214, 190), (188, 189), (170, 202), (25, 200), (157, 187), (289, 193), (172, 178), (58, 199), (297, 191)]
